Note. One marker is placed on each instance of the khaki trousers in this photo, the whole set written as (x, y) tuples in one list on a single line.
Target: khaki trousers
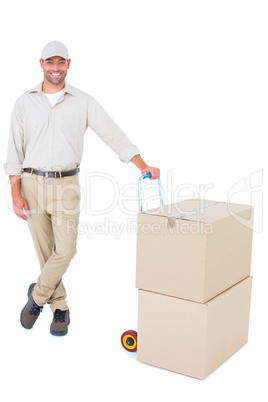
[(54, 205)]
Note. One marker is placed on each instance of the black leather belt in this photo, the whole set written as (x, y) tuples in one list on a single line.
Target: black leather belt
[(52, 174)]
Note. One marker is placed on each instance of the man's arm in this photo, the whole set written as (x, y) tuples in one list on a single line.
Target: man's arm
[(144, 168), (13, 165), (19, 203)]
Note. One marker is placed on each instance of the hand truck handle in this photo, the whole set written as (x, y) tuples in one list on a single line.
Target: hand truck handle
[(145, 176)]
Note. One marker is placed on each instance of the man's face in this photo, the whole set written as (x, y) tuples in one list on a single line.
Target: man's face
[(55, 69)]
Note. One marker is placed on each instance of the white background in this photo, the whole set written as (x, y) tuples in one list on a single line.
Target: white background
[(187, 82)]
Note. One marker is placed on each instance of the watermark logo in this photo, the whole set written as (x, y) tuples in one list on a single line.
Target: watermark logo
[(100, 194), (250, 190)]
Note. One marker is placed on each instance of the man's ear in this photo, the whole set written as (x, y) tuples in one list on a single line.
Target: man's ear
[(69, 62), (41, 63)]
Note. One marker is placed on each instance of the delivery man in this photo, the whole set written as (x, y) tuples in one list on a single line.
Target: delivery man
[(44, 153)]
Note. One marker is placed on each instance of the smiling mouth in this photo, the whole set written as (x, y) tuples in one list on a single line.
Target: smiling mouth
[(55, 74)]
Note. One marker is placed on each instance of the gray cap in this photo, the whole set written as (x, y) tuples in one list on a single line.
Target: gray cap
[(55, 48)]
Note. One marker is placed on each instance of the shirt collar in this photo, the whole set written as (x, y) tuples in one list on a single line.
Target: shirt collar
[(37, 89), (67, 89)]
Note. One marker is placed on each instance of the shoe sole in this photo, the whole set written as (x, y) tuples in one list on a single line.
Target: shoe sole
[(60, 333), (29, 294)]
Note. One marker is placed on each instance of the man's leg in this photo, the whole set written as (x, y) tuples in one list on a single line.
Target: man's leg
[(49, 288), (62, 202), (42, 232), (40, 227)]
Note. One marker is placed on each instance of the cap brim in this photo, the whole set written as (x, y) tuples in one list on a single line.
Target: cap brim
[(59, 54)]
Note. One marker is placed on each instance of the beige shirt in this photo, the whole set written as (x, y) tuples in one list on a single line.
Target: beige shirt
[(52, 138)]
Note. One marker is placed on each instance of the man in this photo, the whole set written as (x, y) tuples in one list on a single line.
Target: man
[(44, 153)]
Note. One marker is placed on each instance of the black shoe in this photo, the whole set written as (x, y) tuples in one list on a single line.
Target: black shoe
[(31, 311), (59, 325)]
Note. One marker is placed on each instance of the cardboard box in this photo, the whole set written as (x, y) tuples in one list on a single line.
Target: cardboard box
[(194, 249), (193, 338)]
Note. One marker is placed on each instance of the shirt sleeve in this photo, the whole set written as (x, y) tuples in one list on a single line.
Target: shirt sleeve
[(109, 132), (15, 151)]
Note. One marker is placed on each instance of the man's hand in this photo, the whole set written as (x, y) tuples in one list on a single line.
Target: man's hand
[(144, 168), (155, 172), (20, 207)]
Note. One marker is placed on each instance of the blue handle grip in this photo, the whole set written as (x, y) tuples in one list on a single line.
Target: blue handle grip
[(147, 175)]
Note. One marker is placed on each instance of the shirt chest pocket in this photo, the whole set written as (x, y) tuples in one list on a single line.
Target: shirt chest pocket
[(71, 124)]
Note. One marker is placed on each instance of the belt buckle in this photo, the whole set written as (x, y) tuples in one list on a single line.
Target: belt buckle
[(46, 175)]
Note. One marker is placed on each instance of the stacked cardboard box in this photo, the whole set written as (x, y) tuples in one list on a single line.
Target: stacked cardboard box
[(193, 275)]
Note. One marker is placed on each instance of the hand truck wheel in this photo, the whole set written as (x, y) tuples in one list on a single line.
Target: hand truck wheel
[(129, 340)]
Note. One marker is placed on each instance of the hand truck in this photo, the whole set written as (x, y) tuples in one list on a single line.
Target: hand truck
[(129, 339)]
